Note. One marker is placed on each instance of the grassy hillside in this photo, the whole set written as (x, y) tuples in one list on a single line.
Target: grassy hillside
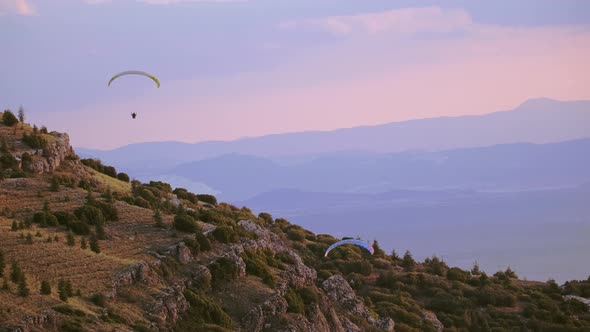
[(84, 248)]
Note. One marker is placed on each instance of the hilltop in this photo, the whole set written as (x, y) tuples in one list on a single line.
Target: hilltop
[(86, 248)]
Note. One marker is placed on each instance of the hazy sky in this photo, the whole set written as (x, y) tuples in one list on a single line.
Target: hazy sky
[(252, 67)]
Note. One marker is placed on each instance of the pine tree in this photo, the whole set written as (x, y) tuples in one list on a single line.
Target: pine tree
[(56, 238), (23, 289), (45, 287), (5, 285), (62, 291), (408, 261), (21, 114), (16, 274), (70, 240), (68, 288), (94, 244), (14, 227), (475, 269), (83, 244)]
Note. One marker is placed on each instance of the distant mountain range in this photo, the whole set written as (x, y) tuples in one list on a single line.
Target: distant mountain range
[(535, 121)]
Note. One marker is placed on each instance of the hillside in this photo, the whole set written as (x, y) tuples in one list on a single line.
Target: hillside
[(84, 248)]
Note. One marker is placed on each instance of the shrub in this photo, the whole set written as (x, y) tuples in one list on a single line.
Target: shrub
[(207, 199), (186, 223), (45, 288), (123, 177), (225, 234), (295, 302), (256, 264), (9, 119), (202, 310), (90, 214), (203, 241), (99, 299), (222, 270)]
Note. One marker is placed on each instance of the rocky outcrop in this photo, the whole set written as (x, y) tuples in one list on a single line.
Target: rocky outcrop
[(49, 158), (182, 253), (46, 320), (340, 293), (169, 306), (578, 298), (139, 272), (256, 318)]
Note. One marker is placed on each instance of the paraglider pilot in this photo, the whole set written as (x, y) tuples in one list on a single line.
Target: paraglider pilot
[(133, 115)]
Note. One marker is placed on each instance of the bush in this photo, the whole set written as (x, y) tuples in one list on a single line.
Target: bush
[(9, 119), (225, 234), (202, 310), (186, 223), (99, 299), (90, 214), (203, 241), (256, 264), (123, 177), (223, 270), (207, 199), (295, 302)]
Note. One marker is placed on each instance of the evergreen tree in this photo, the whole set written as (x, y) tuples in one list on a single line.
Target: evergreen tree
[(14, 227), (408, 261), (29, 239), (70, 240), (83, 244), (108, 196), (23, 289), (16, 274), (21, 114), (45, 287), (5, 285), (475, 269), (94, 244), (62, 291), (9, 119), (394, 256)]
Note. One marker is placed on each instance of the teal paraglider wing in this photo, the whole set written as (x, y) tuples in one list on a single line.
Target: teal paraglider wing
[(359, 243)]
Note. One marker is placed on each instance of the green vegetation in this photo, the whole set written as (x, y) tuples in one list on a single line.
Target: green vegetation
[(8, 118), (202, 310), (223, 270), (45, 288)]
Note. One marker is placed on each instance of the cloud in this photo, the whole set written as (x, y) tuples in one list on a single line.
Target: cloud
[(397, 21), (20, 7)]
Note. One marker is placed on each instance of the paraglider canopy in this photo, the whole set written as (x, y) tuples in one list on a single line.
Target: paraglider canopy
[(359, 243), (135, 72)]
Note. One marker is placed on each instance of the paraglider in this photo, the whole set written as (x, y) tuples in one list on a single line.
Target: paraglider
[(133, 115), (135, 72), (355, 242)]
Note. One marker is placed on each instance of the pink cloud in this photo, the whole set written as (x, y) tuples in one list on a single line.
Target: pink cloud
[(20, 7), (398, 21)]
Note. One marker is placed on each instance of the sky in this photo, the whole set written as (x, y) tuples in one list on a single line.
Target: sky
[(239, 68)]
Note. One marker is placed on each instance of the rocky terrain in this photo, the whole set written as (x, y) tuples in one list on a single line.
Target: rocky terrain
[(84, 248)]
